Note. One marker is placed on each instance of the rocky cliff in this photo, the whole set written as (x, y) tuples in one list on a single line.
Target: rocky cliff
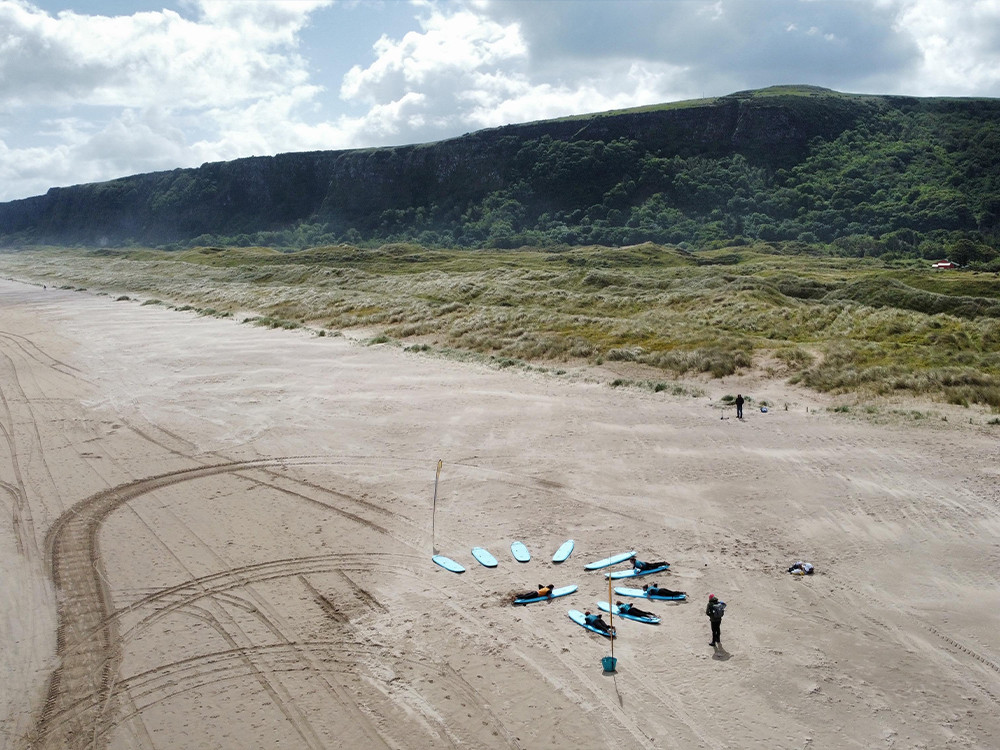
[(449, 185)]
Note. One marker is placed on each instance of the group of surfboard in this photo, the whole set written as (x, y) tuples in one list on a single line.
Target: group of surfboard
[(627, 611), (546, 593)]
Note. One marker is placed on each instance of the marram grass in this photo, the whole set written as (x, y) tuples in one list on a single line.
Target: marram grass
[(834, 325)]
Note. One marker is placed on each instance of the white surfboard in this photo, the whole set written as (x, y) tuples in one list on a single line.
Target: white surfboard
[(636, 573), (563, 552), (448, 564), (580, 619), (561, 591), (484, 557), (643, 595), (613, 608), (520, 552), (607, 561)]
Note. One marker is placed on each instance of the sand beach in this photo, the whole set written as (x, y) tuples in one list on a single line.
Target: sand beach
[(220, 536)]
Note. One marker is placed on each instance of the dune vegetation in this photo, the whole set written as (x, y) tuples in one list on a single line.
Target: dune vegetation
[(837, 325)]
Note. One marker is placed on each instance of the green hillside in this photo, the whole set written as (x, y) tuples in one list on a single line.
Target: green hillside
[(801, 168)]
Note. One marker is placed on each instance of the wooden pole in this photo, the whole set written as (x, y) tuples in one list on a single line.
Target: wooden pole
[(611, 617), (437, 476)]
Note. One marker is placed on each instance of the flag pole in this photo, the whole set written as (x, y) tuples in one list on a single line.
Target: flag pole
[(437, 475), (611, 619)]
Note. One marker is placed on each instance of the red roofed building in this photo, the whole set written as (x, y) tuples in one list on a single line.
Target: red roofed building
[(944, 264)]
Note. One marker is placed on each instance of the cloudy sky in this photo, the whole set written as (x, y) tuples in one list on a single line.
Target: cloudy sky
[(96, 89)]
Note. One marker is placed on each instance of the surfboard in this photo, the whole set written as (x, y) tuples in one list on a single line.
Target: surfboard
[(448, 564), (484, 557), (520, 552), (561, 591), (653, 620), (607, 561), (643, 595), (578, 617), (634, 573), (563, 552)]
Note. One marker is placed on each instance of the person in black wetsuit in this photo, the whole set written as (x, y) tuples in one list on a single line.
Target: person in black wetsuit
[(596, 621), (639, 565), (714, 611), (654, 589), (632, 610), (739, 406), (545, 591)]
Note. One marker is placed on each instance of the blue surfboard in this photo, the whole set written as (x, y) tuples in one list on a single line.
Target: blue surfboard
[(561, 591), (563, 552), (580, 619), (448, 564), (484, 557), (520, 552), (643, 595), (613, 608), (608, 561), (636, 573)]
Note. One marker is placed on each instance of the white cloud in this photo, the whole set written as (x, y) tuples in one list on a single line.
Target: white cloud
[(233, 53), (261, 22), (154, 90), (499, 100), (85, 97), (471, 70), (958, 42), (449, 45)]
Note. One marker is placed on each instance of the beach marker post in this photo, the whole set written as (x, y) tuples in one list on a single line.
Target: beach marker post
[(437, 475)]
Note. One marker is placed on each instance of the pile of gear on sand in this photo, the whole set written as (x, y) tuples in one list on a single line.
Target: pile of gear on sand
[(802, 569)]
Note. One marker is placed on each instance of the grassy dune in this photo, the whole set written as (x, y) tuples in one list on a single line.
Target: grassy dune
[(834, 325)]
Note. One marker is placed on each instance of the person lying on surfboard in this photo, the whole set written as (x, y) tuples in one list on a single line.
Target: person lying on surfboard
[(596, 621), (640, 566), (542, 591), (631, 609), (653, 589)]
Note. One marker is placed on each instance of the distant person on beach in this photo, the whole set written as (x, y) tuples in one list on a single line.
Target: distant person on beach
[(739, 406), (802, 569), (543, 591), (632, 610), (715, 610), (596, 621), (639, 565), (654, 589)]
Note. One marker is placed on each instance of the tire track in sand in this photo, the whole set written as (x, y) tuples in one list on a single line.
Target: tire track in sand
[(87, 638)]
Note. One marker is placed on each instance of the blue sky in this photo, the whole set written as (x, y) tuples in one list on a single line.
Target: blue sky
[(103, 88)]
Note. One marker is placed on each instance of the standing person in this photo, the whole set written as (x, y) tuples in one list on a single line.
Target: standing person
[(715, 610), (739, 406)]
